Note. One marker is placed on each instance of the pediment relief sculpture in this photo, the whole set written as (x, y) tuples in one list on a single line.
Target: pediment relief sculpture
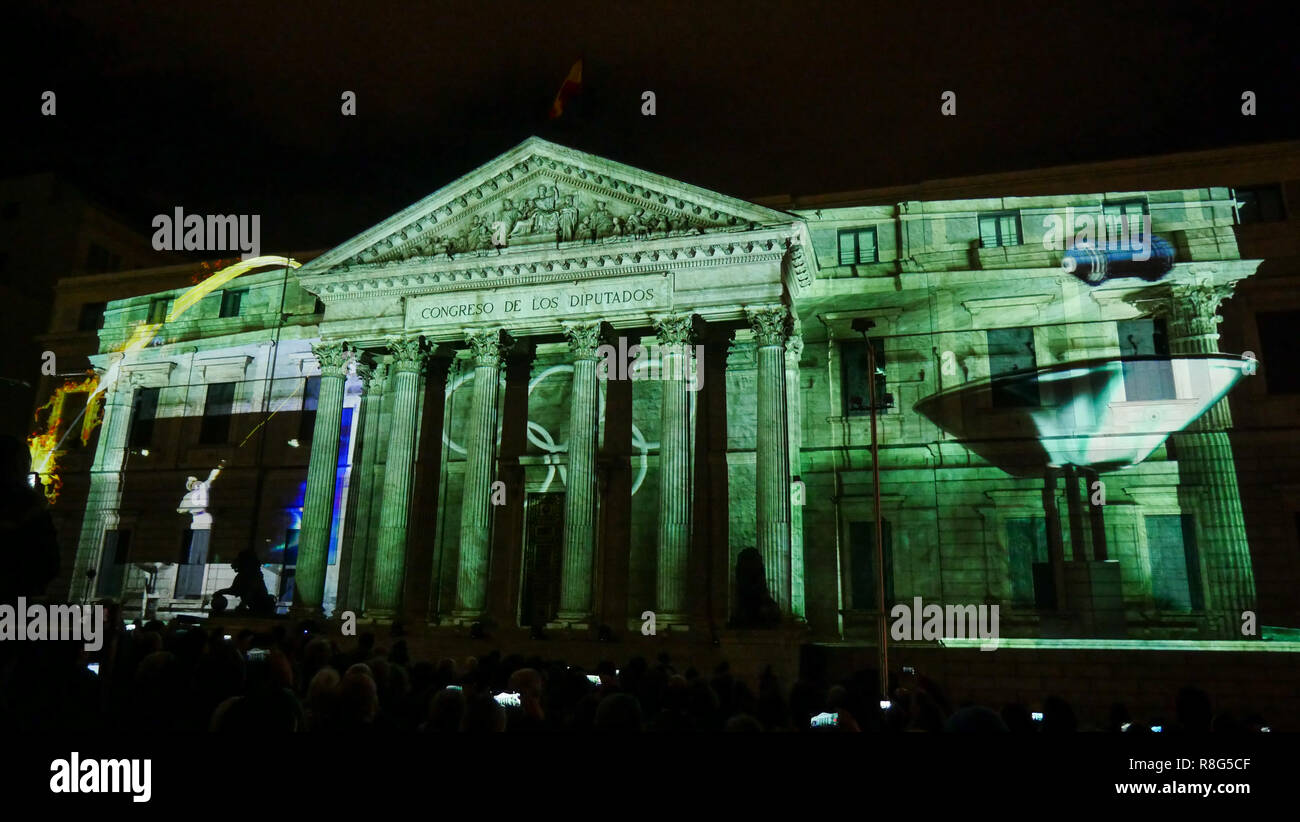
[(545, 212)]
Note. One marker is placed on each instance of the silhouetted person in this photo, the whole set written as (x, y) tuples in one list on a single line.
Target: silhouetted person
[(619, 713), (27, 537), (755, 607), (975, 719), (1018, 719), (248, 586), (483, 715), (1195, 714), (1058, 717)]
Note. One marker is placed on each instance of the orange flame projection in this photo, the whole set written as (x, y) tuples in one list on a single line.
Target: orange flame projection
[(45, 446)]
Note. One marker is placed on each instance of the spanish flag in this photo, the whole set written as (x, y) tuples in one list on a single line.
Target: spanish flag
[(571, 86)]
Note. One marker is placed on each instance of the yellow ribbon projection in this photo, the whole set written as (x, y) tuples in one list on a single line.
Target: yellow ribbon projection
[(44, 445)]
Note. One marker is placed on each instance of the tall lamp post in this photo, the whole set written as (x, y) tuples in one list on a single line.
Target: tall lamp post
[(862, 325)]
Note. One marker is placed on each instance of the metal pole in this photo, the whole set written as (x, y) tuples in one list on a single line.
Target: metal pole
[(880, 548)]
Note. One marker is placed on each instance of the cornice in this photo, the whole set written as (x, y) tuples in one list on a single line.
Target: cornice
[(578, 261)]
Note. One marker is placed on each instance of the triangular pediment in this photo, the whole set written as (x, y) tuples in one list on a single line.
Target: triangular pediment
[(541, 195)]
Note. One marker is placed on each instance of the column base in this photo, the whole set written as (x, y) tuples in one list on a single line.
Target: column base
[(570, 621), (298, 613), (380, 615), (463, 618)]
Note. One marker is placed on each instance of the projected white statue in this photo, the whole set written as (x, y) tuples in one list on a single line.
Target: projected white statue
[(189, 576), (195, 502)]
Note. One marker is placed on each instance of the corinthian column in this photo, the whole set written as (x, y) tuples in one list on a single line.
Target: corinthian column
[(480, 463), (322, 474), (771, 329), (387, 573), (580, 493), (794, 409), (352, 586), (1208, 476), (675, 480)]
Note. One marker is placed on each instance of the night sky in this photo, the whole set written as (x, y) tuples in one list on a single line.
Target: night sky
[(234, 107)]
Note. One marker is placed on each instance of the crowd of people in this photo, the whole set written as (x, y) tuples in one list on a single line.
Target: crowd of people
[(187, 677)]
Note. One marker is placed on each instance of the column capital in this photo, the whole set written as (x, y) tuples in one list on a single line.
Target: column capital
[(1193, 308), (408, 353), (333, 358), (488, 346), (584, 338), (793, 349), (372, 376), (771, 324), (674, 329)]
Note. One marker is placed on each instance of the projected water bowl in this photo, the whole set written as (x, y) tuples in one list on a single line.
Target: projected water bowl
[(1104, 414)]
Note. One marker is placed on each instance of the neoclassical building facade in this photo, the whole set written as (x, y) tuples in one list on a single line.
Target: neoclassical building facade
[(561, 392)]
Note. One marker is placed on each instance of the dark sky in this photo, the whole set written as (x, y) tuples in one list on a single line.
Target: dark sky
[(233, 107)]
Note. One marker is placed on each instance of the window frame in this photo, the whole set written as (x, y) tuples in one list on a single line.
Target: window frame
[(213, 422), (1272, 188), (141, 431), (1003, 399), (154, 312), (997, 216), (884, 400), (857, 245), (238, 294), (99, 309)]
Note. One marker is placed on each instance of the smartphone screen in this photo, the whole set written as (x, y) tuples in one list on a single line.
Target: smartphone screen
[(823, 719), (507, 700), (93, 667), (1037, 716)]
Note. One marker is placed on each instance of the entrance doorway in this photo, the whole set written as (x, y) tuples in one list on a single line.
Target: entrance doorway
[(539, 599)]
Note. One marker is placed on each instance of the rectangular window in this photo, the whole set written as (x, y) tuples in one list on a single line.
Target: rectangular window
[(1027, 556), (1011, 353), (1175, 568), (1260, 204), (142, 418), (158, 310), (216, 414), (289, 561), (310, 398), (862, 561), (858, 245), (232, 302), (999, 228), (1152, 380), (112, 562), (1277, 331), (98, 259), (856, 381), (1125, 211), (92, 317)]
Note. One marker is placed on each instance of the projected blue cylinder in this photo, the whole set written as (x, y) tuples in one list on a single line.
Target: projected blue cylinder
[(1093, 264)]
